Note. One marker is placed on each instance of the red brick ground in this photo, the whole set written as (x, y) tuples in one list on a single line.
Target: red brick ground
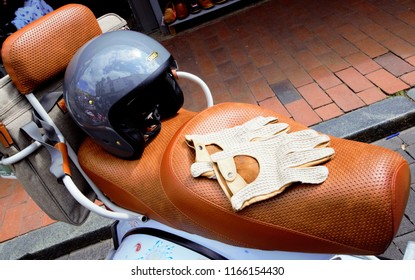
[(338, 56)]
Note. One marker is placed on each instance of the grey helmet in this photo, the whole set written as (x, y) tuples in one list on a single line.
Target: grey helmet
[(118, 87)]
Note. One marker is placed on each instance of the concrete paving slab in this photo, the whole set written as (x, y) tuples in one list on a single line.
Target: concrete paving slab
[(402, 241), (394, 144), (392, 252), (411, 93), (408, 137), (410, 209), (406, 227)]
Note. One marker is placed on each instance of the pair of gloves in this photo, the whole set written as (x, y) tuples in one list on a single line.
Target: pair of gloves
[(283, 158)]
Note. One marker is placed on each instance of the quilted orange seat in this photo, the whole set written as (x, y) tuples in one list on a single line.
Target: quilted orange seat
[(357, 210)]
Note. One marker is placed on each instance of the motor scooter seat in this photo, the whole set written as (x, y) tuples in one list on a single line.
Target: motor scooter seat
[(357, 210)]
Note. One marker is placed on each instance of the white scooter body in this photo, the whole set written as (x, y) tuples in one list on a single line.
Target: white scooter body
[(151, 240), (135, 239)]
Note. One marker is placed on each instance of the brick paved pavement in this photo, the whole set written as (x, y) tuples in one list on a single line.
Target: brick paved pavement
[(311, 60)]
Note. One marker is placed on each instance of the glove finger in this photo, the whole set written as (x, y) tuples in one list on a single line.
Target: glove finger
[(295, 145), (258, 122), (202, 168), (242, 131), (302, 134), (268, 131), (205, 139), (238, 134), (258, 128), (308, 157), (284, 137), (309, 175)]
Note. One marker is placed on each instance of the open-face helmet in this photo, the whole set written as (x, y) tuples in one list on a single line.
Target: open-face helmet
[(118, 87)]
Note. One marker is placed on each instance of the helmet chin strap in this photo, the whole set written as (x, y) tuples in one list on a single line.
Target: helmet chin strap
[(152, 124)]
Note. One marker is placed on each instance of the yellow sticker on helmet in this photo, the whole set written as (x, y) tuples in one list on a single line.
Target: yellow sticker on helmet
[(152, 56)]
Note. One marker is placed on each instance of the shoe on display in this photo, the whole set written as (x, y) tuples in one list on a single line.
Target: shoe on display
[(169, 13), (206, 4), (194, 6), (181, 9)]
